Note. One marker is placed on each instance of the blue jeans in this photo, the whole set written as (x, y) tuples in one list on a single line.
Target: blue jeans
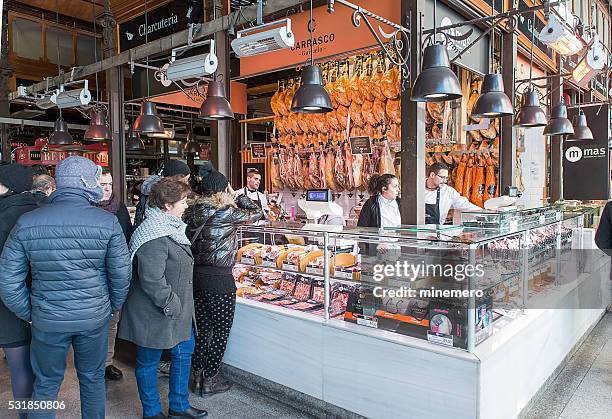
[(48, 353), (147, 360)]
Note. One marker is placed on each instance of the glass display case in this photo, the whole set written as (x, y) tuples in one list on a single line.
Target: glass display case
[(512, 218), (450, 285)]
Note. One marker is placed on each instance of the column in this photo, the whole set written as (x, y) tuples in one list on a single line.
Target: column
[(507, 147), (556, 182), (220, 130), (413, 129), (6, 72)]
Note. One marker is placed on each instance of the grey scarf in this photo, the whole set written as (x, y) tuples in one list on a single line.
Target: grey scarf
[(158, 224)]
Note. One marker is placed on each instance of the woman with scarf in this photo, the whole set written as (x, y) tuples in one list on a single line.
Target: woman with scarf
[(159, 312)]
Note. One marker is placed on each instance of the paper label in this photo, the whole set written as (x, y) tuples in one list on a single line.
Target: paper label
[(542, 219), (513, 224), (558, 216), (269, 264), (247, 260), (314, 271), (440, 339), (343, 275), (368, 322), (290, 267)]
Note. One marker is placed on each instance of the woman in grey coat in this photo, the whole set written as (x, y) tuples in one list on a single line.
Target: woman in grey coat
[(159, 312)]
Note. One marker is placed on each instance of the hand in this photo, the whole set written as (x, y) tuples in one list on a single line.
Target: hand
[(230, 190)]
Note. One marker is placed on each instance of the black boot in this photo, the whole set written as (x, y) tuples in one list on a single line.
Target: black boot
[(192, 412), (160, 415), (113, 373), (195, 381), (215, 385)]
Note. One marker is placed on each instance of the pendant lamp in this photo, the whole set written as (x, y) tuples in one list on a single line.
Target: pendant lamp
[(531, 114), (98, 128), (216, 107), (493, 101), (582, 132), (311, 97), (133, 142), (60, 134), (559, 124), (436, 82), (191, 146), (148, 122)]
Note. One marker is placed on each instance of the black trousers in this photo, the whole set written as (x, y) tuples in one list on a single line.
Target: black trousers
[(214, 318)]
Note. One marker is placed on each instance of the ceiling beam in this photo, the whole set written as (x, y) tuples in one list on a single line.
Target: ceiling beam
[(164, 44)]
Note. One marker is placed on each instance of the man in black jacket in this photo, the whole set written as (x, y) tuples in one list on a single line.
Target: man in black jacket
[(113, 204), (15, 200)]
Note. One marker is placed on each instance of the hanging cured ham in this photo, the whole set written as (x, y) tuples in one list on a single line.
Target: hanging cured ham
[(478, 188), (393, 111), (340, 175), (348, 166), (355, 91), (356, 116), (275, 173), (357, 160), (490, 180), (467, 179), (397, 163), (330, 167), (390, 83), (313, 170), (298, 172), (386, 159), (342, 114), (342, 87)]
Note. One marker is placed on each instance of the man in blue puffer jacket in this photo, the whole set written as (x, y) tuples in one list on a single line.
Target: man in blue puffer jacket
[(81, 272)]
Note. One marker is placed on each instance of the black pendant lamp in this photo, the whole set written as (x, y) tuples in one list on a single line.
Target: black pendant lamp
[(216, 107), (60, 134), (559, 124), (148, 122), (311, 97), (133, 142), (582, 132), (493, 102), (191, 146), (531, 114), (436, 82), (98, 128)]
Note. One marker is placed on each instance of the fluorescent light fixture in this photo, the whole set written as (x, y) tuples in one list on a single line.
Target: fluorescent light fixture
[(255, 41), (559, 37), (590, 64), (45, 102), (192, 67), (167, 134), (72, 98)]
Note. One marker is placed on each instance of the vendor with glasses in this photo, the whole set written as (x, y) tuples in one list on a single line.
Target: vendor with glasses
[(441, 198)]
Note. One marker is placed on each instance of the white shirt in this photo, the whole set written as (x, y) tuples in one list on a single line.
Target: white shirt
[(389, 212), (258, 198), (449, 199)]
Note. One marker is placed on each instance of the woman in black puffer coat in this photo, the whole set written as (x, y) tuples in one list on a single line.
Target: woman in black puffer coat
[(215, 218), (15, 200)]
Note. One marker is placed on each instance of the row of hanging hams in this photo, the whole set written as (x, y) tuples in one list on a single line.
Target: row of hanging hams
[(330, 166), (364, 87), (475, 178)]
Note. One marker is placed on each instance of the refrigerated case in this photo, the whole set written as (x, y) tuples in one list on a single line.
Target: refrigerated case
[(316, 301)]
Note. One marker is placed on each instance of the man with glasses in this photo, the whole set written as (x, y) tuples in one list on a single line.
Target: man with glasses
[(441, 198)]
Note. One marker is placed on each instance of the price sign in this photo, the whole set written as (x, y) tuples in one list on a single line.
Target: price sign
[(360, 145), (258, 150)]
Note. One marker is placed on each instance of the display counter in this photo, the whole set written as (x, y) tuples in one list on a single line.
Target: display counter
[(415, 321)]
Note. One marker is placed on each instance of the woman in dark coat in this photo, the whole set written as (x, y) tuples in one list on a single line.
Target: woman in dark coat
[(159, 313), (215, 218), (15, 200)]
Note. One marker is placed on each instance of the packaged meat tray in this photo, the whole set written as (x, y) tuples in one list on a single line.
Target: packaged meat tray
[(287, 283), (318, 291), (285, 302), (302, 288), (305, 306)]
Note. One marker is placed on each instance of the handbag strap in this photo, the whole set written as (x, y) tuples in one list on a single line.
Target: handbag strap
[(196, 234)]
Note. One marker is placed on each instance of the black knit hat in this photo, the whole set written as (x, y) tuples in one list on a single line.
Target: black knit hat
[(175, 167), (212, 181), (16, 177)]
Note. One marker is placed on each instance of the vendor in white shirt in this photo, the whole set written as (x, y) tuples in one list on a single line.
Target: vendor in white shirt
[(441, 198), (252, 190)]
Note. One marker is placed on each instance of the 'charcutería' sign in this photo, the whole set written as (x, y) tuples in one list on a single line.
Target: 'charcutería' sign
[(162, 21)]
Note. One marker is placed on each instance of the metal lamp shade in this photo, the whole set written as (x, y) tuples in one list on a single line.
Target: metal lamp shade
[(133, 142), (493, 101), (582, 132), (311, 97), (60, 134), (436, 82), (531, 114), (148, 122), (559, 124), (216, 107), (98, 128)]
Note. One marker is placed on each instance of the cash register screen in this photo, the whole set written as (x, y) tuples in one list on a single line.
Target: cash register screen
[(318, 195)]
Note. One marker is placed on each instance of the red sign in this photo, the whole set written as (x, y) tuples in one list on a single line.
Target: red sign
[(50, 155), (333, 34)]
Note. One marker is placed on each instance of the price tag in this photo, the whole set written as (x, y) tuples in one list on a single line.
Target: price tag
[(558, 216), (290, 267), (269, 264), (513, 225), (247, 260), (258, 150), (542, 219), (360, 145), (343, 275), (440, 339), (314, 271), (368, 322)]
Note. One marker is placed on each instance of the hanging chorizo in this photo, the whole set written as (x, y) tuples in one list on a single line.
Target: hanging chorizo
[(467, 179), (490, 180), (478, 188), (459, 177)]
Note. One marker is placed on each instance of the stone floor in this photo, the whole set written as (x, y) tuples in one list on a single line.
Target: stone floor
[(122, 399), (583, 389)]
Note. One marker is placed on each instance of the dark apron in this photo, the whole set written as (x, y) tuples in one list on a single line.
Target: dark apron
[(432, 211), (258, 202)]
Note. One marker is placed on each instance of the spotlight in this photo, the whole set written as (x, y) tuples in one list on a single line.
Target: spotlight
[(255, 41), (192, 67), (72, 98), (166, 134), (558, 36), (44, 102), (590, 65)]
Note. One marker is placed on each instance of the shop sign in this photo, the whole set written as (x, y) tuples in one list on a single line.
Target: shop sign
[(360, 145), (588, 160), (162, 21), (525, 28), (333, 34), (258, 150), (477, 57)]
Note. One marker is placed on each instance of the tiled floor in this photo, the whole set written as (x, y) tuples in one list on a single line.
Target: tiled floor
[(583, 389), (122, 399)]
